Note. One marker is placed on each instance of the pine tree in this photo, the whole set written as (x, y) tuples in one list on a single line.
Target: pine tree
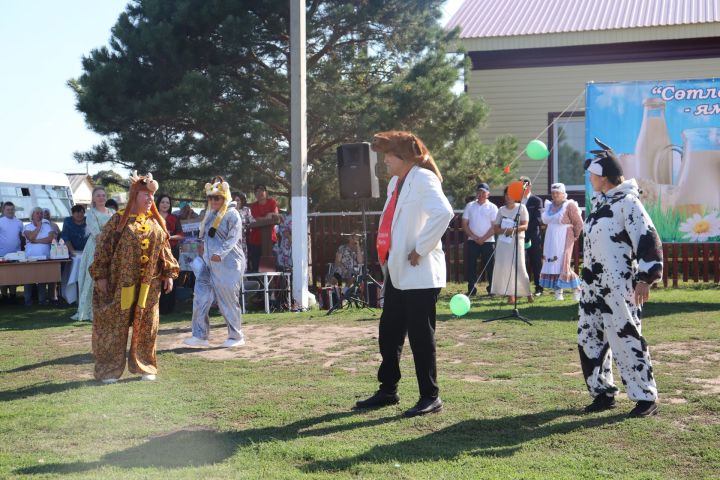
[(192, 88)]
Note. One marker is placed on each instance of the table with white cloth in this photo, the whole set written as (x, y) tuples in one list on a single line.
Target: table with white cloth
[(264, 279), (69, 281)]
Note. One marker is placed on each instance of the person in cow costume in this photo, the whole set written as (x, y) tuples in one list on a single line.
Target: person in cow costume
[(622, 259)]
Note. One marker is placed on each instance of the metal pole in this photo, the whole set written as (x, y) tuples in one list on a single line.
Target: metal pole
[(298, 153)]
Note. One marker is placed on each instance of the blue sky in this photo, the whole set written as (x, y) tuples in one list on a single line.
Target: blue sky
[(42, 43)]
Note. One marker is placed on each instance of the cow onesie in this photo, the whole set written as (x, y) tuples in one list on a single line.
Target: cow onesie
[(621, 248)]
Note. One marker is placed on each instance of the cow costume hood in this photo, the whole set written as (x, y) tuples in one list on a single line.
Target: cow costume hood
[(605, 163), (628, 188)]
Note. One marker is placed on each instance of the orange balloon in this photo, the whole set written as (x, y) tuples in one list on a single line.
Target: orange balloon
[(515, 190)]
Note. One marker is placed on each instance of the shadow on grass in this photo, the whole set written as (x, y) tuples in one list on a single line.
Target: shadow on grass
[(18, 317), (77, 359), (195, 448), (493, 437), (568, 312), (654, 309), (186, 350), (44, 388), (182, 449), (38, 317), (558, 312), (188, 329)]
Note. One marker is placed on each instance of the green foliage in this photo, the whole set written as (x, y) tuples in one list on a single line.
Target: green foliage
[(111, 180), (192, 88), (667, 221), (573, 159)]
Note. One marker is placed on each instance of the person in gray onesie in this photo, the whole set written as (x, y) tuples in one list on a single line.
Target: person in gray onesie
[(219, 275)]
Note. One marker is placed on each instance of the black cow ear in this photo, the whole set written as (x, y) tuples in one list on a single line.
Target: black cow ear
[(601, 144)]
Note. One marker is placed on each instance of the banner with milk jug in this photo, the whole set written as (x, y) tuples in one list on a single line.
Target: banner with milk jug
[(667, 136)]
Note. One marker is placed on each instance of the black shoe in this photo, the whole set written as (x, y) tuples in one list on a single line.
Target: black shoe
[(538, 292), (601, 402), (643, 408), (379, 399), (425, 405)]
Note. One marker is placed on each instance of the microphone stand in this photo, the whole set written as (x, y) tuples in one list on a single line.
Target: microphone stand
[(515, 313)]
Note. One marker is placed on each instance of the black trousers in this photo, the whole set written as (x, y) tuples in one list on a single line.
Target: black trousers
[(534, 256), (411, 313), (254, 254), (485, 252)]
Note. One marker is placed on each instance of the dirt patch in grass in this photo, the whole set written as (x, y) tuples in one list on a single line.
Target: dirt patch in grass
[(710, 386), (697, 349), (696, 354), (674, 400), (470, 378), (287, 344)]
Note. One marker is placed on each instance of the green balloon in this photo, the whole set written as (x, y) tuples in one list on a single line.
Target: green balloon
[(537, 150), (459, 305)]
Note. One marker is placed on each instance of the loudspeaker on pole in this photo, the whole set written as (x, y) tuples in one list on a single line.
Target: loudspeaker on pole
[(356, 171)]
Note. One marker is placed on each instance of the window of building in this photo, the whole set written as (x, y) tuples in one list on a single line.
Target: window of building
[(567, 138)]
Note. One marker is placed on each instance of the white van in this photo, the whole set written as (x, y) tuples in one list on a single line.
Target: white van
[(28, 189)]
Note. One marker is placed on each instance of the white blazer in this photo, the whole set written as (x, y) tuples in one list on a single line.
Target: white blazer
[(422, 215)]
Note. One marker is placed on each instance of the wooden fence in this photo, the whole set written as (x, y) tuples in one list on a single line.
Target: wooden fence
[(697, 262)]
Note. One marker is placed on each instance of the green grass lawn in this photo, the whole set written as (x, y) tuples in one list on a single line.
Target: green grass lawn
[(280, 406)]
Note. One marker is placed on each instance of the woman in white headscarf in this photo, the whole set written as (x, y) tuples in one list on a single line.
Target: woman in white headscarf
[(564, 225)]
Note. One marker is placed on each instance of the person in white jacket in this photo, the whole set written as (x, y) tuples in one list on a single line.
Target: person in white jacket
[(414, 219)]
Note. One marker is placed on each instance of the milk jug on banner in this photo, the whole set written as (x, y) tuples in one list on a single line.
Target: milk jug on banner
[(697, 190), (653, 150)]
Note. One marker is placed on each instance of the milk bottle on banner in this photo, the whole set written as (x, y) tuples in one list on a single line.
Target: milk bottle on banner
[(653, 151)]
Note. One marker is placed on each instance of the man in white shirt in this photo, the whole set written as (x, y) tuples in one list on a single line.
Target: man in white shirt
[(39, 234), (477, 222), (10, 241)]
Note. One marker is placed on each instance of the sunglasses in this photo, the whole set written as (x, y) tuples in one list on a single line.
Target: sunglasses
[(215, 197)]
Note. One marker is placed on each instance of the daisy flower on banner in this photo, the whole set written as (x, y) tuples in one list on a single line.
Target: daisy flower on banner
[(699, 228)]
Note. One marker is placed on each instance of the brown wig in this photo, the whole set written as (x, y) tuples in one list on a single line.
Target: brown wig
[(406, 146), (141, 184)]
